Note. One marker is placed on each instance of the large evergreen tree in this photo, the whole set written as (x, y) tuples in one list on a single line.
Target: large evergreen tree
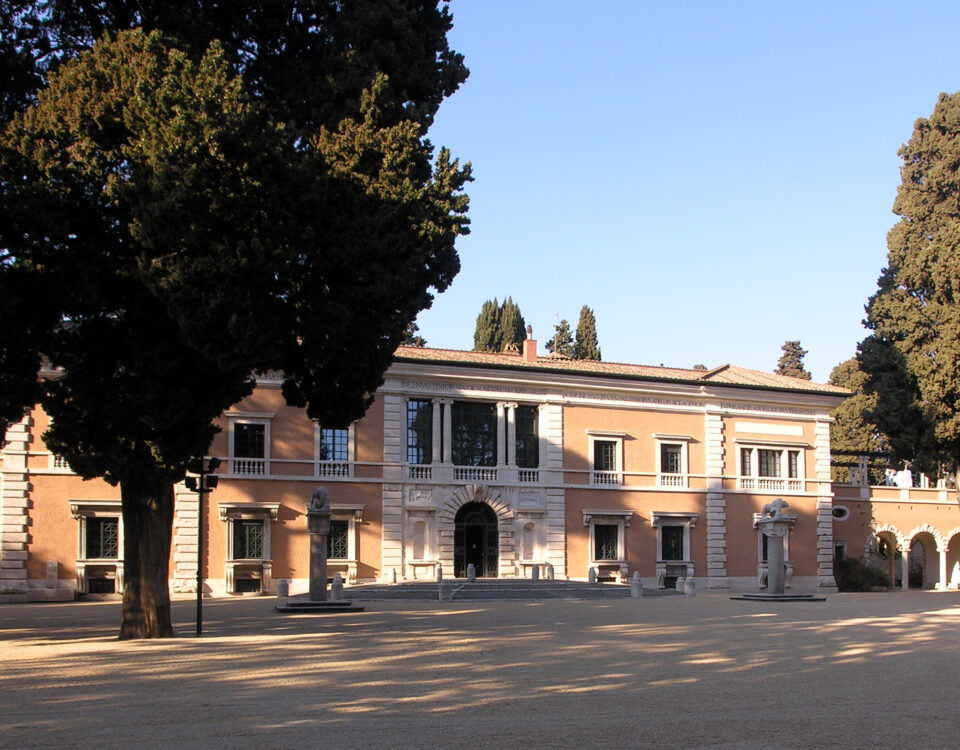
[(486, 334), (561, 345), (247, 189), (586, 345), (498, 326), (854, 432), (791, 361), (913, 356), (513, 329)]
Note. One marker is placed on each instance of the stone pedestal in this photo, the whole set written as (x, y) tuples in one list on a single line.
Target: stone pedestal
[(318, 524), (775, 529)]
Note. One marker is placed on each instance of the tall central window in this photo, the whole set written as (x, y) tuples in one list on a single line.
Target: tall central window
[(333, 445), (671, 543), (528, 441), (474, 428), (102, 537), (419, 432), (248, 539), (248, 439)]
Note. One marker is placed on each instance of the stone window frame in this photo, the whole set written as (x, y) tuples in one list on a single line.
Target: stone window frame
[(231, 512), (604, 477), (673, 480), (688, 520), (783, 482), (606, 517), (334, 469), (352, 513), (81, 510), (244, 466)]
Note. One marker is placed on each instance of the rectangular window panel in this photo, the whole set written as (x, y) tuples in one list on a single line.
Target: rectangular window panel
[(605, 455), (670, 459), (528, 440), (746, 465), (248, 440), (671, 538), (768, 462), (103, 538), (333, 445), (474, 434), (248, 539), (793, 461), (606, 541), (419, 432), (337, 546)]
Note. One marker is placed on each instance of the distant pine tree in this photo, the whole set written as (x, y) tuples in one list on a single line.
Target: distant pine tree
[(561, 344), (791, 361), (513, 330), (586, 346), (486, 336)]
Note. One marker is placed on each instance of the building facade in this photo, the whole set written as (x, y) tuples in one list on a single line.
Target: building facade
[(508, 462)]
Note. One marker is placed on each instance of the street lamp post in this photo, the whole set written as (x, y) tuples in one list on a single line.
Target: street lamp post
[(201, 484)]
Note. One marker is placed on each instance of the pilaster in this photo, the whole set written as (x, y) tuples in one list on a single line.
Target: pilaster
[(825, 580), (186, 525), (15, 506)]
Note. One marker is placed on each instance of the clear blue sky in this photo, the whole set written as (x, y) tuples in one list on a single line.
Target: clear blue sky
[(712, 178)]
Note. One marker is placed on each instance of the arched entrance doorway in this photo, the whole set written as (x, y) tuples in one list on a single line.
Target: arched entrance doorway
[(475, 540)]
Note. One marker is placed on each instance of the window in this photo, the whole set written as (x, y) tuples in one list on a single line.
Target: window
[(419, 432), (607, 536), (474, 427), (672, 460), (606, 541), (249, 443), (99, 564), (102, 537), (333, 445), (766, 467), (248, 539), (338, 547), (671, 543), (528, 440), (769, 462), (606, 452), (248, 440), (333, 449)]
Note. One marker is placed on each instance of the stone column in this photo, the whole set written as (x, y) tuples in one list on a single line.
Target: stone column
[(435, 432), (905, 566), (511, 434), (501, 432), (942, 582), (448, 431), (318, 524)]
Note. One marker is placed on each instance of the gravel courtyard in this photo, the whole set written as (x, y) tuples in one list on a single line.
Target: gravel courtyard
[(858, 671)]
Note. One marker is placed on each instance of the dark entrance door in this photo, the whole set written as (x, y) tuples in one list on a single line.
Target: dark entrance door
[(475, 540)]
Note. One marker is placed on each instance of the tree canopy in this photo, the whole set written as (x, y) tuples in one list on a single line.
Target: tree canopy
[(586, 345), (913, 354), (791, 361), (235, 188)]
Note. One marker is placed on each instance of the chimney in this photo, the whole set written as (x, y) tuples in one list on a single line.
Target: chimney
[(529, 346)]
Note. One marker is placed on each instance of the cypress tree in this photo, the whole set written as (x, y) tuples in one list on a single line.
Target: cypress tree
[(486, 335), (586, 346), (513, 329)]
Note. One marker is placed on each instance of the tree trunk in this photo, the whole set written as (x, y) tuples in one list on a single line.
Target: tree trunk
[(147, 529)]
